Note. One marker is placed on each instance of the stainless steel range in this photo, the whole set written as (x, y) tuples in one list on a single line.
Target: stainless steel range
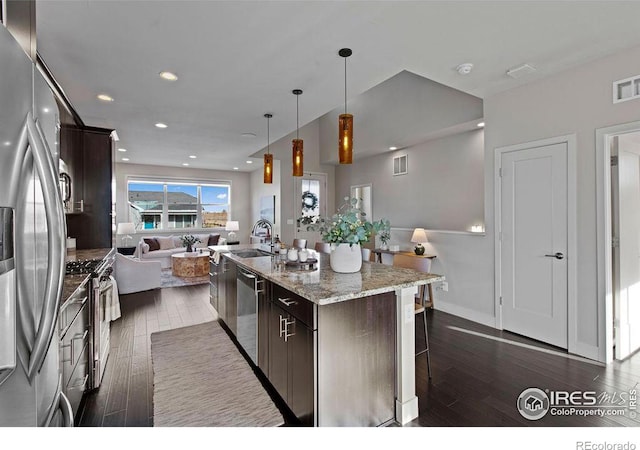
[(101, 292), (101, 289)]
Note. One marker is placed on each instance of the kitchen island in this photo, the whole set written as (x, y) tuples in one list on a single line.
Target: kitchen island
[(338, 348)]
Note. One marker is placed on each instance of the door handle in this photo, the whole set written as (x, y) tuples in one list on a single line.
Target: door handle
[(55, 218), (556, 255)]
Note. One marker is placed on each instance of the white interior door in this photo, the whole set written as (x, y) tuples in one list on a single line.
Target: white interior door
[(626, 255), (533, 244), (310, 198)]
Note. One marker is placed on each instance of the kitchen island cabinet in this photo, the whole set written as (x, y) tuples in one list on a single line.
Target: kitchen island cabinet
[(349, 354)]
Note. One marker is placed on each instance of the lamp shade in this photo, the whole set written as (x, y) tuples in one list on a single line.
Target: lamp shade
[(232, 225), (126, 228), (298, 158), (419, 236), (345, 138), (268, 168)]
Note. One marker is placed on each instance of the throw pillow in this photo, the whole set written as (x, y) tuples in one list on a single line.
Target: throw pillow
[(166, 243), (152, 243), (213, 239)]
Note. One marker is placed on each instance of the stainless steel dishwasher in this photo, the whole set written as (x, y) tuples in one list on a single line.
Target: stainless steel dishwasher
[(249, 288)]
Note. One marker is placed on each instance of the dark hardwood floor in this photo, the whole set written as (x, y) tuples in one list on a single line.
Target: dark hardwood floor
[(476, 380)]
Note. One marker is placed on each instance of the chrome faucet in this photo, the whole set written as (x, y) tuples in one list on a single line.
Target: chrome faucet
[(263, 223)]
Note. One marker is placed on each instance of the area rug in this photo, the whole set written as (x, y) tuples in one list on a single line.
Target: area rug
[(200, 379), (167, 279)]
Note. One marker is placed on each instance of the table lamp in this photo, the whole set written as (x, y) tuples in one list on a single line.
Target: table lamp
[(125, 228), (419, 237), (231, 226)]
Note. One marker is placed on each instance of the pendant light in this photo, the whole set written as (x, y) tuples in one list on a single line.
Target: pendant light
[(298, 144), (345, 121), (268, 157)]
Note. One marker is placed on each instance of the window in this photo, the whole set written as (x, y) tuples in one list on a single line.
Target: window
[(178, 205)]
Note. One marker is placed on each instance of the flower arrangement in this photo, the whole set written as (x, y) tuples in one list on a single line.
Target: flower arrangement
[(348, 225), (188, 240)]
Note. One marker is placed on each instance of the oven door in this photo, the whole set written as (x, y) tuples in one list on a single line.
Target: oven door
[(102, 297)]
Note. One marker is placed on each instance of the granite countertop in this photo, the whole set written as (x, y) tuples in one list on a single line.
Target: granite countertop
[(324, 286), (73, 282)]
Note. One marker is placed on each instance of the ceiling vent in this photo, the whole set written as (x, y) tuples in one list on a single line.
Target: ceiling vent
[(520, 71)]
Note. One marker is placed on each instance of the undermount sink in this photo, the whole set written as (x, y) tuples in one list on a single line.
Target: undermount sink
[(250, 253)]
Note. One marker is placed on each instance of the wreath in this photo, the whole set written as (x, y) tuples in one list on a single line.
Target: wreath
[(309, 201)]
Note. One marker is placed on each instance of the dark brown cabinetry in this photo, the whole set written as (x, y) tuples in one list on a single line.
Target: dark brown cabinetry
[(88, 154), (291, 352)]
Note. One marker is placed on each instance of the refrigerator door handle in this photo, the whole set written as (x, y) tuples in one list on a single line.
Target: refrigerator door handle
[(54, 213), (67, 411)]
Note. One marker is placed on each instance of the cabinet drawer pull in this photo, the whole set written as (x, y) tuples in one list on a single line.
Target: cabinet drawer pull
[(287, 335), (281, 327), (288, 301)]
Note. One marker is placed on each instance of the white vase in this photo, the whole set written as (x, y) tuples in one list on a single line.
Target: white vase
[(345, 258)]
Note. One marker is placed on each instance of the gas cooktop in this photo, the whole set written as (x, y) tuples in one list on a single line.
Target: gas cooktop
[(82, 267)]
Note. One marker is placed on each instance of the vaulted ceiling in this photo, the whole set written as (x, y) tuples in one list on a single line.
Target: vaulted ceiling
[(237, 60)]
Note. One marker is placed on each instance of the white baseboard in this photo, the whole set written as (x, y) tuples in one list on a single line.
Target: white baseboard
[(466, 313)]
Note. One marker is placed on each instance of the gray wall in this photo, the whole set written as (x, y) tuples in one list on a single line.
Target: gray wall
[(240, 191), (290, 203), (442, 191), (259, 189), (576, 101)]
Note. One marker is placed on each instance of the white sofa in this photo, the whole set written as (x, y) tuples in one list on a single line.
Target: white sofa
[(172, 245), (133, 275)]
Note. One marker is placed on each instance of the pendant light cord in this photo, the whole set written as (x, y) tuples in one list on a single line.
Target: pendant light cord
[(345, 85), (268, 138), (297, 118)]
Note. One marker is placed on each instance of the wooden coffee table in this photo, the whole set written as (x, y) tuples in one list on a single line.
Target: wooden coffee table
[(189, 265)]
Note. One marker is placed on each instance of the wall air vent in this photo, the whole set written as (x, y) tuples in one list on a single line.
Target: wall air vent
[(520, 71), (626, 89), (400, 165)]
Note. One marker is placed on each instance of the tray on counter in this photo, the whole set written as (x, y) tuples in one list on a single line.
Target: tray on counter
[(309, 264)]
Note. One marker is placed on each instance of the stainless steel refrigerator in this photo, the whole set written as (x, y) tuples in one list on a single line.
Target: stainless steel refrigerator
[(32, 245)]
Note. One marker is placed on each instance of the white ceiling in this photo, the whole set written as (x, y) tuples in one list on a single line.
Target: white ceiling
[(238, 60)]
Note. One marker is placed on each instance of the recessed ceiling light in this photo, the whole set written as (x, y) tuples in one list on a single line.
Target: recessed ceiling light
[(248, 135), (161, 125), (185, 164), (192, 156), (480, 124), (235, 168), (393, 148), (122, 149), (464, 69), (7, 143), (45, 110), (169, 76), (249, 161), (105, 98), (125, 159)]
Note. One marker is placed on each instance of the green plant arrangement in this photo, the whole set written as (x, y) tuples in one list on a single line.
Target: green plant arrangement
[(348, 225), (188, 240)]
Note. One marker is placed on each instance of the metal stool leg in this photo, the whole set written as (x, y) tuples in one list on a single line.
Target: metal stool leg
[(426, 340)]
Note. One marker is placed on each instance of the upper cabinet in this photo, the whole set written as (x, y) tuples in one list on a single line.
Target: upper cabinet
[(88, 155)]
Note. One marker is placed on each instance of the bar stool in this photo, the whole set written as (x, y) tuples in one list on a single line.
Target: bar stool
[(323, 247), (420, 306), (300, 243)]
